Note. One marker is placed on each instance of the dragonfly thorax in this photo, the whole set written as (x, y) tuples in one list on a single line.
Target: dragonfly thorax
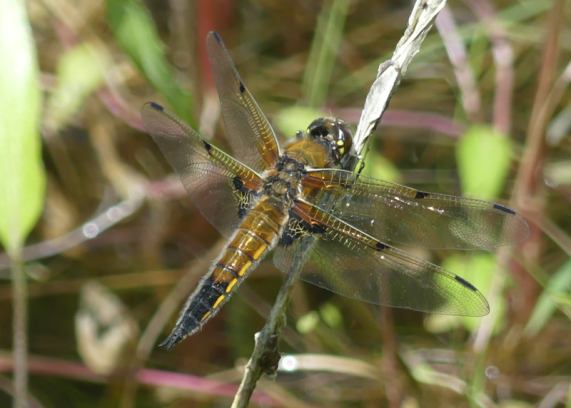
[(284, 181)]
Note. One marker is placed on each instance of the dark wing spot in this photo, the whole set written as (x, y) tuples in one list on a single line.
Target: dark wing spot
[(242, 87), (217, 37), (465, 283), (207, 146), (504, 209), (380, 246), (156, 106), (421, 194)]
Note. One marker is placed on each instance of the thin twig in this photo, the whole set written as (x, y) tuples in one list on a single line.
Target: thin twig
[(470, 96), (528, 185), (20, 334), (265, 357), (502, 53), (88, 230), (8, 388), (104, 219)]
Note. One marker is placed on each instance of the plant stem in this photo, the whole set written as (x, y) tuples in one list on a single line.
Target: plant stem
[(265, 357), (20, 339)]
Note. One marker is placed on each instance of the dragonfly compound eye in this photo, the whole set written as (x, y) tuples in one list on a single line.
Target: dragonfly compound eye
[(334, 133)]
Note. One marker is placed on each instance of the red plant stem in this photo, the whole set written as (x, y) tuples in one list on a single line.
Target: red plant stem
[(427, 121), (529, 189), (156, 378)]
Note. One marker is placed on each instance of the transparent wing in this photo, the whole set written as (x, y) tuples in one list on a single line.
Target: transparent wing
[(347, 261), (219, 186), (399, 214), (249, 133)]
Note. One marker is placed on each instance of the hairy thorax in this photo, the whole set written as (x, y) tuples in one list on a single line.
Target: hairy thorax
[(283, 182)]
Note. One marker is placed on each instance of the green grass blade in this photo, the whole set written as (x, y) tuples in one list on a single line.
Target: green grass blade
[(136, 34), (556, 291), (324, 49)]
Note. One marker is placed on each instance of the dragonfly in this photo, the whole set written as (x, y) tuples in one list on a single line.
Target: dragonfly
[(268, 197)]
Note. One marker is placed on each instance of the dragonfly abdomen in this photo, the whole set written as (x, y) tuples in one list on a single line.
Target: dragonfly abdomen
[(257, 234)]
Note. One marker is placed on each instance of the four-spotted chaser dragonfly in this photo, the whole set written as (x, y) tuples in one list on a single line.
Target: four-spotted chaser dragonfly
[(271, 197)]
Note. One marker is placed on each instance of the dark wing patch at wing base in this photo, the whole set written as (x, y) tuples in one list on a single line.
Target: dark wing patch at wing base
[(297, 229)]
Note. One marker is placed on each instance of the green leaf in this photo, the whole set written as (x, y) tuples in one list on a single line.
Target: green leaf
[(295, 118), (558, 286), (483, 156), (80, 71), (307, 323), (331, 315), (22, 180), (136, 34)]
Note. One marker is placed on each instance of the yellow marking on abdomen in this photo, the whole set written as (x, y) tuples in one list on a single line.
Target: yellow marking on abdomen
[(249, 243), (236, 260), (219, 300), (231, 285), (255, 236)]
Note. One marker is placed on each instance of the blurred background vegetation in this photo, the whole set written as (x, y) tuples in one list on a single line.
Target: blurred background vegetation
[(485, 110)]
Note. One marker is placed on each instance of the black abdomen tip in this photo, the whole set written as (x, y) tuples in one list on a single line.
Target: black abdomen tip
[(216, 36), (170, 342)]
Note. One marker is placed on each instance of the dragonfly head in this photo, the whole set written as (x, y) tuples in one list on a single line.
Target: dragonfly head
[(334, 134)]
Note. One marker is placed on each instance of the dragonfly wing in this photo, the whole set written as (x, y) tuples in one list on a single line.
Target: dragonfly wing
[(248, 130), (221, 187), (404, 215), (352, 263)]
